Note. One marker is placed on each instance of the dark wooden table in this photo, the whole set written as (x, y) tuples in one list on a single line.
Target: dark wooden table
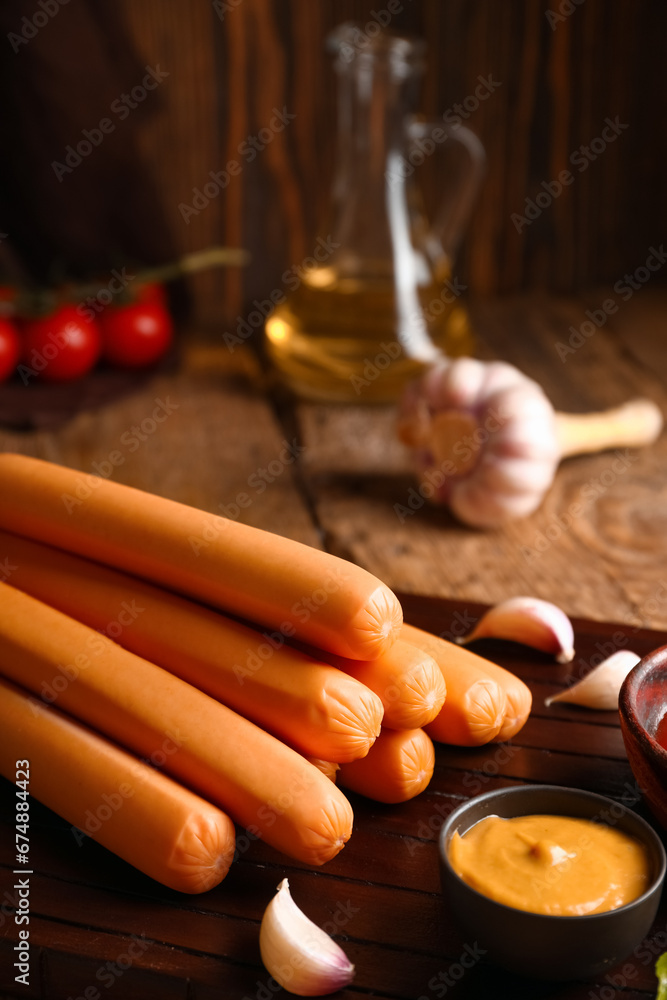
[(381, 895), (335, 486)]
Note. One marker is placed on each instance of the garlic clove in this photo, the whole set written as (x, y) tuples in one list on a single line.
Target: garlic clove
[(530, 621), (499, 376), (413, 426), (472, 503), (448, 429), (455, 384), (299, 955), (600, 687)]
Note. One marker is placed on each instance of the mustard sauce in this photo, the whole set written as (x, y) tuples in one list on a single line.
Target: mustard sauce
[(557, 865)]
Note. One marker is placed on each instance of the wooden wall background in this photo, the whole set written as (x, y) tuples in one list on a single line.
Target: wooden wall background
[(232, 62)]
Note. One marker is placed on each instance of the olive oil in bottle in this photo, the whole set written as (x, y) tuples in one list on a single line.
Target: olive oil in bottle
[(382, 304), (348, 342)]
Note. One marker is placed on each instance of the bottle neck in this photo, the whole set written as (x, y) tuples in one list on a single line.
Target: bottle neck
[(376, 96), (375, 100)]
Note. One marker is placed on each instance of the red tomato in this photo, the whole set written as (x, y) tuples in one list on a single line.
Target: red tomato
[(137, 335), (62, 346), (10, 348)]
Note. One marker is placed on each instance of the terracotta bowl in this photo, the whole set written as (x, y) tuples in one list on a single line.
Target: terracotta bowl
[(642, 703), (535, 944)]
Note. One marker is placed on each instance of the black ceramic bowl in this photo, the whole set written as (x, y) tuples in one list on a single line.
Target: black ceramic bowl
[(534, 944), (642, 703)]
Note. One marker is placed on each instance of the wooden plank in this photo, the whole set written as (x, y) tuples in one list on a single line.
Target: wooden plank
[(580, 737), (229, 931), (154, 969), (638, 326)]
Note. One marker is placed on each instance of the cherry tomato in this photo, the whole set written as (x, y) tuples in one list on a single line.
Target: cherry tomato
[(62, 346), (137, 335), (10, 348)]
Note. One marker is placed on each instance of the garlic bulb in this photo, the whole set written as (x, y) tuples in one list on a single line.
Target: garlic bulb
[(601, 686), (487, 441), (299, 955), (530, 621)]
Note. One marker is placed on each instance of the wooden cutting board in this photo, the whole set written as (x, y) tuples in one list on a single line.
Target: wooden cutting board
[(381, 895)]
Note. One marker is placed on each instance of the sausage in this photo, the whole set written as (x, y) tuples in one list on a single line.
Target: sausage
[(475, 706), (140, 814), (398, 766), (255, 574), (263, 784), (407, 680), (310, 705)]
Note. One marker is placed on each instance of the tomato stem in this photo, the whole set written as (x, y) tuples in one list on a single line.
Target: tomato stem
[(200, 260), (41, 301)]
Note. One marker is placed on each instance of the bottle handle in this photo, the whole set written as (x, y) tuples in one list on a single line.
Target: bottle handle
[(464, 175)]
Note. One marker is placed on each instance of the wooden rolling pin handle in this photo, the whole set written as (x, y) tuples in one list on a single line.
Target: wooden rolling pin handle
[(631, 425)]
